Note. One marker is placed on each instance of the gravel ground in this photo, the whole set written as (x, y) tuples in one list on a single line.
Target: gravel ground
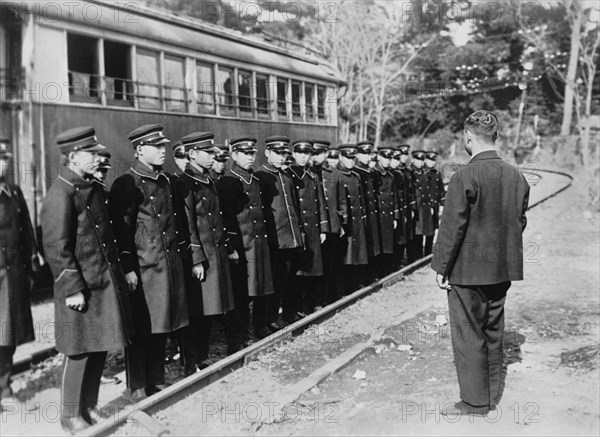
[(399, 385)]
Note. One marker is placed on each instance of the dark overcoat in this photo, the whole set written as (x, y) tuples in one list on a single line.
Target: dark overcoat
[(352, 215), (313, 213), (281, 207), (17, 246), (150, 243), (208, 245), (480, 241), (80, 248), (331, 197), (240, 194), (389, 211), (371, 208), (423, 207), (437, 194), (407, 202)]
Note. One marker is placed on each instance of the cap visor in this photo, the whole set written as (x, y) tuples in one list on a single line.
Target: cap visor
[(95, 148)]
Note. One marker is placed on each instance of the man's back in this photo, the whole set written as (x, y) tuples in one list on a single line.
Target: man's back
[(480, 238)]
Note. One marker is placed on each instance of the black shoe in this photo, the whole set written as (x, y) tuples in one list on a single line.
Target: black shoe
[(274, 327), (463, 409), (91, 415), (190, 370), (137, 395), (153, 389), (205, 363), (73, 425)]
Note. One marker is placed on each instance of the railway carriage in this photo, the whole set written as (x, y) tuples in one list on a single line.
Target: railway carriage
[(116, 66)]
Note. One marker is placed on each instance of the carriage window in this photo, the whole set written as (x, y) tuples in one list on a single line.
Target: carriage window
[(296, 114), (175, 93), (321, 94), (148, 86), (118, 85), (309, 94), (224, 88), (281, 98), (262, 95), (206, 88), (245, 93), (82, 53)]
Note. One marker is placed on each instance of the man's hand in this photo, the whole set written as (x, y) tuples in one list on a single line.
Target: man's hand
[(76, 301), (198, 272), (342, 232), (395, 224), (442, 282), (234, 257), (132, 280), (323, 237)]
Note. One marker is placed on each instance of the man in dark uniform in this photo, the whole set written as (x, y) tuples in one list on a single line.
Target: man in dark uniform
[(478, 253), (103, 167), (403, 179), (150, 244), (210, 293), (333, 157), (285, 231), (363, 169), (315, 223), (352, 215), (18, 262), (389, 211), (91, 297), (437, 194), (332, 262), (241, 199), (221, 157), (423, 224), (180, 158)]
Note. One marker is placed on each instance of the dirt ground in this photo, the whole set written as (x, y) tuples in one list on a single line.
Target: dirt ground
[(400, 384)]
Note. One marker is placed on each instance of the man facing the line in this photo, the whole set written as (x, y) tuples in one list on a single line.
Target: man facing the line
[(478, 253)]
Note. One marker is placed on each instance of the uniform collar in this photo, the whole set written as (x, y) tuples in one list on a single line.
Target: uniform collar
[(380, 169), (4, 188), (343, 169), (243, 174), (144, 171), (296, 169), (195, 174), (270, 167), (73, 179), (360, 166), (488, 154)]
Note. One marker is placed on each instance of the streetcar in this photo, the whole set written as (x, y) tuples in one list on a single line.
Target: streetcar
[(118, 65)]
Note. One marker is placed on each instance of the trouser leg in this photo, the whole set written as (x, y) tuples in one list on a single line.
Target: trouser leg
[(92, 378), (282, 264), (136, 353), (477, 328), (428, 245), (6, 364), (259, 312), (313, 292), (155, 367), (399, 250), (72, 384), (415, 249), (241, 315)]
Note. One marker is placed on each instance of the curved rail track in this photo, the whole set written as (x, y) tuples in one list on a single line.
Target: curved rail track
[(196, 382)]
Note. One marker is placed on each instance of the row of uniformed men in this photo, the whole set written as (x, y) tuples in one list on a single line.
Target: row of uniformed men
[(131, 270)]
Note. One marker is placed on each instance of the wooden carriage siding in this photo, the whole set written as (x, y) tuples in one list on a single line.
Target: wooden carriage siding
[(101, 63)]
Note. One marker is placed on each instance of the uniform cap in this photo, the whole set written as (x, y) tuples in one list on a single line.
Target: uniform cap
[(404, 149), (179, 150), (320, 146), (303, 146), (79, 139), (348, 150), (104, 159), (148, 135), (431, 155), (198, 141), (221, 152), (243, 144), (418, 154), (365, 147), (277, 142)]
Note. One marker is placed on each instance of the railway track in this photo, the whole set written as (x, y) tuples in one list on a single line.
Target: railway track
[(187, 386)]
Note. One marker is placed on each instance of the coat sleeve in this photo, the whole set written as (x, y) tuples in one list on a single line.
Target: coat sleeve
[(454, 223), (342, 200), (186, 196), (525, 205), (441, 190), (124, 204), (27, 232), (323, 213), (59, 230), (232, 199)]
